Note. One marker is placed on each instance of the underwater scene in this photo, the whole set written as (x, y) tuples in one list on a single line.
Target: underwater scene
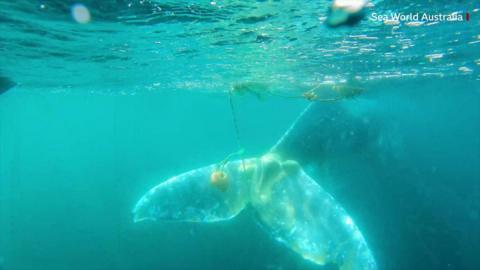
[(228, 134)]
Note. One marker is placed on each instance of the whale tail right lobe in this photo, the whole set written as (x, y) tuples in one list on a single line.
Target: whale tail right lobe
[(299, 213)]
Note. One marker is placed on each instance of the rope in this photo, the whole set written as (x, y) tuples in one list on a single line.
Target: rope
[(235, 125)]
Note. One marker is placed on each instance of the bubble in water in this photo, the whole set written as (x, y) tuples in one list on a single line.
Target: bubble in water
[(81, 14), (465, 69), (414, 23), (434, 56)]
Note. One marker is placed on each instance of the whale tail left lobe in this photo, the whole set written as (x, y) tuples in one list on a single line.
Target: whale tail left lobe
[(191, 197)]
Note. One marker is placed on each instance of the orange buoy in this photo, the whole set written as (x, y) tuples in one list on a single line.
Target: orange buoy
[(219, 179)]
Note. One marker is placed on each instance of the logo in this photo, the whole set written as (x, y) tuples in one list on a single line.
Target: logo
[(419, 18)]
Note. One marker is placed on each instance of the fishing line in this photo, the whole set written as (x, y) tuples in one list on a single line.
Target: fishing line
[(235, 125), (291, 127)]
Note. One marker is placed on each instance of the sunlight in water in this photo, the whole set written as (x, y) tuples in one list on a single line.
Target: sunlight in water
[(81, 14)]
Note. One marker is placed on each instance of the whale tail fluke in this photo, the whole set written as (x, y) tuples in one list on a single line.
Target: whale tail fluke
[(291, 206)]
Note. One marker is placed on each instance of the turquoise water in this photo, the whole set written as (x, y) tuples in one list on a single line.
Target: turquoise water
[(103, 111)]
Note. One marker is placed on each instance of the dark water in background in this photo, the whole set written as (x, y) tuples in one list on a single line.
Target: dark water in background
[(406, 163), (104, 111)]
